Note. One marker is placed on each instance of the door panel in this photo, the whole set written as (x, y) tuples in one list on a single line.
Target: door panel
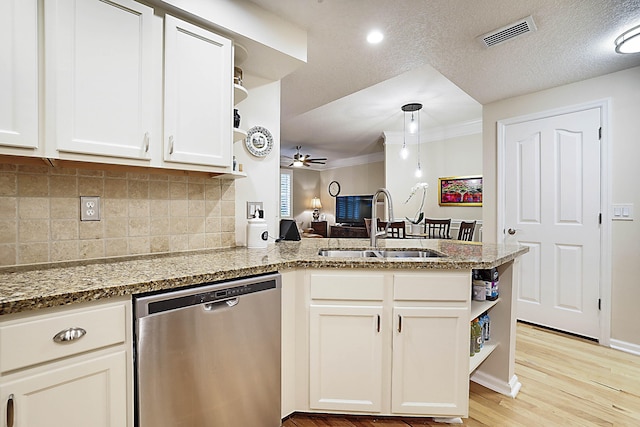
[(552, 202)]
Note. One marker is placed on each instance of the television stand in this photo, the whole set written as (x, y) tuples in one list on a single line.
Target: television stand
[(340, 231)]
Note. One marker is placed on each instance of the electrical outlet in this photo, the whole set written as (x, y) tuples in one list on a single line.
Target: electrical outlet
[(89, 208), (252, 207)]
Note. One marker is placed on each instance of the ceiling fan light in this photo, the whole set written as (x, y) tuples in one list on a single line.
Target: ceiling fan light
[(629, 41), (297, 163)]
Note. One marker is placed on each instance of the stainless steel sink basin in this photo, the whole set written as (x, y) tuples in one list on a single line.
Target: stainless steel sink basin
[(387, 253)]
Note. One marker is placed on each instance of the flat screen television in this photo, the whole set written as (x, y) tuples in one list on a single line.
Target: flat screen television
[(352, 210)]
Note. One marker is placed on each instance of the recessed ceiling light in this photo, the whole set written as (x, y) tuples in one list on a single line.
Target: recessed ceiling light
[(375, 37)]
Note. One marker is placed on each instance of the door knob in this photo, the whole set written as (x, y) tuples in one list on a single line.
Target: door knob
[(511, 231)]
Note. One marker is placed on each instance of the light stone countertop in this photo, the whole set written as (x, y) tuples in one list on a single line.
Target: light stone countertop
[(33, 287)]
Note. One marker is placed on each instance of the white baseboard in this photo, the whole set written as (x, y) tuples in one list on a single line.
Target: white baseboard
[(625, 346), (508, 389)]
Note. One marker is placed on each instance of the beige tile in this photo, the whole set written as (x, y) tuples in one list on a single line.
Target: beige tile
[(8, 208), (212, 240), (213, 208), (33, 185), (159, 190), (213, 225), (115, 188), (91, 230), (29, 253), (34, 169), (178, 208), (8, 255), (8, 184), (91, 172), (196, 225), (196, 208), (138, 189), (159, 208), (138, 176), (90, 249), (33, 208), (159, 244), (139, 245), (196, 241), (228, 190), (116, 227), (212, 190), (228, 224), (63, 171), (115, 208), (64, 229), (63, 186), (138, 208), (65, 208), (33, 230), (197, 179), (179, 225), (158, 177), (178, 190), (8, 167), (115, 174), (178, 178), (159, 226), (90, 186), (138, 227), (64, 250), (228, 208), (196, 191), (179, 243), (227, 240), (116, 247), (8, 231)]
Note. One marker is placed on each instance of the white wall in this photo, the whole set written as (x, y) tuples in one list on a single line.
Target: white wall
[(455, 156), (261, 108), (623, 89)]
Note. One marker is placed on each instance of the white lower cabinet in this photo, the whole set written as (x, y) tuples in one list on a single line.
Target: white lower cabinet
[(393, 343), (345, 358), (78, 379)]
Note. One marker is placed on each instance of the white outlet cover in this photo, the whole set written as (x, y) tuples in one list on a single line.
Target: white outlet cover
[(89, 208)]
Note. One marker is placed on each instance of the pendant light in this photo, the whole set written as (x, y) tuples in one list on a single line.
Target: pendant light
[(411, 130)]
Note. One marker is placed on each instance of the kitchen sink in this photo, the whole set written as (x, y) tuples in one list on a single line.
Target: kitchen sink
[(386, 253)]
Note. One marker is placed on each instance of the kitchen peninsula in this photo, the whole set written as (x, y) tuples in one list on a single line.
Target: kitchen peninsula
[(403, 323)]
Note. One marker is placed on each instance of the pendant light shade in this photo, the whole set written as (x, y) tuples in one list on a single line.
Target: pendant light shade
[(412, 131)]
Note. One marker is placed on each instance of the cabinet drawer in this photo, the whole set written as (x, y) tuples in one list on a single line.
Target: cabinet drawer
[(436, 286), (29, 341), (365, 287)]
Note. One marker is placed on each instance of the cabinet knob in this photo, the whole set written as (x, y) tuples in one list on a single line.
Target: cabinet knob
[(171, 144), (146, 142), (70, 334)]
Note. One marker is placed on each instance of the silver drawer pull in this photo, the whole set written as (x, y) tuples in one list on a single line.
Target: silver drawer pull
[(70, 334)]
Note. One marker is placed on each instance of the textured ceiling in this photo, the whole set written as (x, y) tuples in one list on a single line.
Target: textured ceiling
[(349, 92)]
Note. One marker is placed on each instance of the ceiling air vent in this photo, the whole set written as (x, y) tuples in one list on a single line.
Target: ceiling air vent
[(511, 31)]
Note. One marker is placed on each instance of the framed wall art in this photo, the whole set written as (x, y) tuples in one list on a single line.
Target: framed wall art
[(460, 191)]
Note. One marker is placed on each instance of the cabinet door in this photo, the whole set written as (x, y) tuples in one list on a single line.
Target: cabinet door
[(430, 361), (19, 75), (198, 95), (89, 393), (345, 371), (99, 77)]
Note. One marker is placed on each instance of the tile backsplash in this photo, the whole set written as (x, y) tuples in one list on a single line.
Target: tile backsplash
[(140, 213)]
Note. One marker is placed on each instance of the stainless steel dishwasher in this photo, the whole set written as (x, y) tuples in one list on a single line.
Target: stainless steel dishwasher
[(210, 356)]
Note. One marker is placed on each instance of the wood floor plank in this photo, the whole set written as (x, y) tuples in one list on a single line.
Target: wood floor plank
[(566, 381)]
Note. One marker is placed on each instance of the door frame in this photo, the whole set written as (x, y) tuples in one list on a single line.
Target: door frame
[(605, 196)]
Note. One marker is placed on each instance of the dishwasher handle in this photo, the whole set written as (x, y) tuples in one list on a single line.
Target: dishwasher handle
[(210, 306)]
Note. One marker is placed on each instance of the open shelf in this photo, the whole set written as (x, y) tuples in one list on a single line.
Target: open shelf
[(239, 134), (479, 307), (478, 358), (239, 94)]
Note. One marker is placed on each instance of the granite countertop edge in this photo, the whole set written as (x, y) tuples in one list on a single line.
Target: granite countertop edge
[(33, 287)]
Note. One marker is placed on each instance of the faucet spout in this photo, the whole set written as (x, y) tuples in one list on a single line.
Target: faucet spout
[(374, 233)]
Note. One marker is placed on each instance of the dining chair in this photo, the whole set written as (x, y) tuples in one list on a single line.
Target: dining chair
[(437, 228), (396, 229), (465, 232)]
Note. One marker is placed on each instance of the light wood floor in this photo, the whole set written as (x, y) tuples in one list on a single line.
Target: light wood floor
[(566, 381)]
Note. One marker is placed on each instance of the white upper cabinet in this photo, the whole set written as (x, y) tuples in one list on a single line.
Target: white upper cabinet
[(99, 78), (197, 95), (19, 77)]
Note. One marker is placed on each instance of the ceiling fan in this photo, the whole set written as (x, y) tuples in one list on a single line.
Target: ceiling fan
[(305, 159)]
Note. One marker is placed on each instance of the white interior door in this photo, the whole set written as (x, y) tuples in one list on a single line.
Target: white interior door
[(552, 205)]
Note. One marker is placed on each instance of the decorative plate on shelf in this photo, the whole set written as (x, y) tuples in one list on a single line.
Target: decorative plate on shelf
[(259, 141)]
